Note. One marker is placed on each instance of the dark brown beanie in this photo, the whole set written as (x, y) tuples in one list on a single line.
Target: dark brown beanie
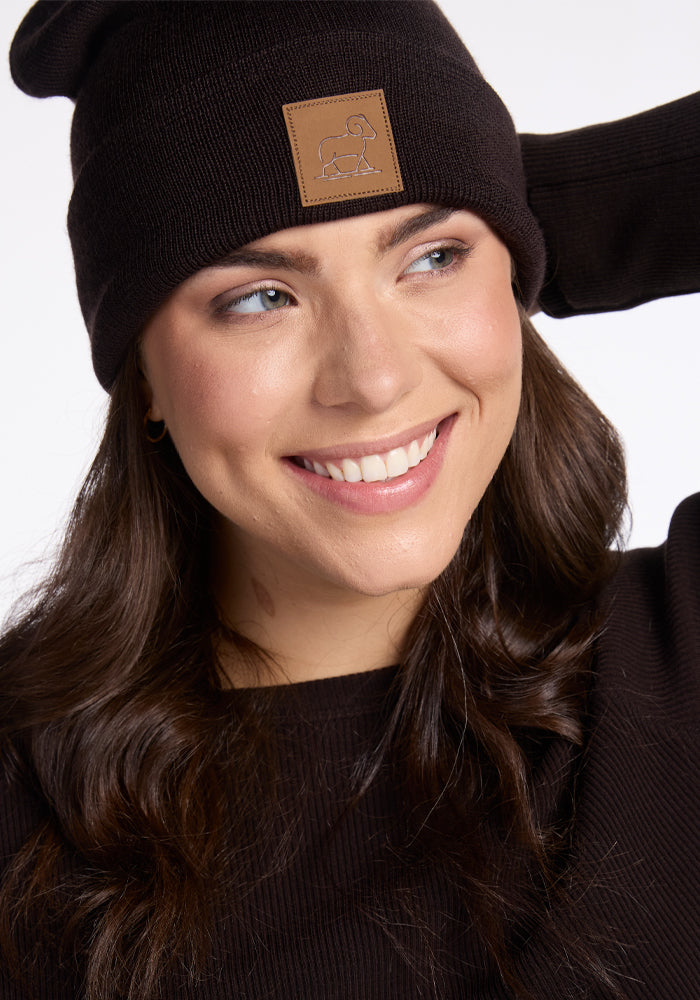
[(199, 127)]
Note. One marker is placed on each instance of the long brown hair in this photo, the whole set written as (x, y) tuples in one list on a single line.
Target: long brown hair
[(112, 707)]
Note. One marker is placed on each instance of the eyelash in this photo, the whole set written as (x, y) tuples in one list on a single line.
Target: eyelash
[(460, 251), (224, 309)]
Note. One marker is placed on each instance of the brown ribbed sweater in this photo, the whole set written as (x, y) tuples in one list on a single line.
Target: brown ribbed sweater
[(618, 205), (308, 930)]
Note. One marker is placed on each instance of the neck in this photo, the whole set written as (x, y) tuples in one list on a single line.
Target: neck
[(310, 628)]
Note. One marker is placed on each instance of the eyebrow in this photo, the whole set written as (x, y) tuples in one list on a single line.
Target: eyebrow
[(297, 260), (291, 261), (406, 230)]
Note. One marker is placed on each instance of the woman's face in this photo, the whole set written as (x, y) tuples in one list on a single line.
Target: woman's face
[(303, 381)]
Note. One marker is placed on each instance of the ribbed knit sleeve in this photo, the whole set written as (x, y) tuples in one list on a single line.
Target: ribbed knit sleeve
[(638, 810), (619, 205)]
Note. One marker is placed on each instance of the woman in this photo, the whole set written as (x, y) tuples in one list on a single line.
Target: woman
[(335, 444)]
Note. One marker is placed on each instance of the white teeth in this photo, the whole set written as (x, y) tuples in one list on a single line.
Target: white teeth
[(396, 462), (335, 472), (375, 468), (427, 444), (413, 454), (351, 471)]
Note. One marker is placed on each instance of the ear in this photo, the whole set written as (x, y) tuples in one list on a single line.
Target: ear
[(153, 410)]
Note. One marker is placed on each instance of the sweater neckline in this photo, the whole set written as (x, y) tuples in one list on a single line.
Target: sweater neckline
[(347, 695)]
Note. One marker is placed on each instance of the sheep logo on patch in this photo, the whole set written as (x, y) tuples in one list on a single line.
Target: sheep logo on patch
[(361, 161), (345, 155)]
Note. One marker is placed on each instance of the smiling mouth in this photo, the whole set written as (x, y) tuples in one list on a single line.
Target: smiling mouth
[(376, 468)]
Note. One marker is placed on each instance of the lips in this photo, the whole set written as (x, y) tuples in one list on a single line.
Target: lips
[(394, 491), (377, 467)]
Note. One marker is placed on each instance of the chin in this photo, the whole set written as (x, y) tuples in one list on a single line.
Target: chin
[(390, 572)]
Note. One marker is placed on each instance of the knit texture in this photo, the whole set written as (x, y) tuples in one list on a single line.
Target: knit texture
[(180, 150), (618, 206)]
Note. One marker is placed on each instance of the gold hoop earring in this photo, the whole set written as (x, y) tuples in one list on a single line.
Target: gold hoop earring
[(154, 438)]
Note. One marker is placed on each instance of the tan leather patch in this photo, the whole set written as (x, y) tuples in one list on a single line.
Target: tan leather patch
[(343, 147)]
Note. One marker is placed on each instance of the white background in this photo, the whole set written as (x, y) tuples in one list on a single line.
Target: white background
[(557, 65)]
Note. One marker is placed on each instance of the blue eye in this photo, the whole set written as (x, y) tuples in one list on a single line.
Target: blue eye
[(433, 261), (262, 300)]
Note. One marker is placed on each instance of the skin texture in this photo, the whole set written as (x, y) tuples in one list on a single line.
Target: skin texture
[(368, 338)]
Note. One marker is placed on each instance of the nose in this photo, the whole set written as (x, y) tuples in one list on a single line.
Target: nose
[(368, 359)]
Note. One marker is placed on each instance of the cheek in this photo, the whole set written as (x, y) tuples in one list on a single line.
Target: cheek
[(484, 350), (221, 401)]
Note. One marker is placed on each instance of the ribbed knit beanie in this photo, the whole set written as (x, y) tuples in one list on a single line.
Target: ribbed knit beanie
[(200, 127)]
